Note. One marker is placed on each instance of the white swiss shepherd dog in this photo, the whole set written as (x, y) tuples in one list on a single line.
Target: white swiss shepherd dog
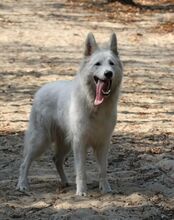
[(77, 114)]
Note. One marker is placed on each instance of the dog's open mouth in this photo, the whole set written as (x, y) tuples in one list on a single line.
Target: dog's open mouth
[(103, 89)]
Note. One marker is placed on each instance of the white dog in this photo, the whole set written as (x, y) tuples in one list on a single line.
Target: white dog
[(80, 113)]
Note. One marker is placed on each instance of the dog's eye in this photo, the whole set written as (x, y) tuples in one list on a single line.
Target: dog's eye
[(111, 62), (98, 64)]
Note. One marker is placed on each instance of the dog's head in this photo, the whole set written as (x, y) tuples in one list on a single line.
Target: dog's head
[(102, 68)]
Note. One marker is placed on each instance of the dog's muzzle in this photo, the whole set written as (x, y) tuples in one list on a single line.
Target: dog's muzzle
[(103, 89)]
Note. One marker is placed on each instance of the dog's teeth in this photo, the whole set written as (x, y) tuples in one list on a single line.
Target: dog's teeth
[(106, 93)]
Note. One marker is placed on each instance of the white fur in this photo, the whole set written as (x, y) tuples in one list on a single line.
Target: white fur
[(64, 113)]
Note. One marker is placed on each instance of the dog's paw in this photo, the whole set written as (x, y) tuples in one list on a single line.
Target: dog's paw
[(81, 190), (78, 193), (104, 186), (22, 186)]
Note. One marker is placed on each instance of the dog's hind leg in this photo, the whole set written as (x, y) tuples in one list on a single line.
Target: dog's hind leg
[(101, 156), (61, 152), (35, 144)]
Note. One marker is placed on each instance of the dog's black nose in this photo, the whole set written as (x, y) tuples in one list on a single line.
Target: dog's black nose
[(108, 74)]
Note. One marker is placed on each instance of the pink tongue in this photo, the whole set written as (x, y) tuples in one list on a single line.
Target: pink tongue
[(99, 95)]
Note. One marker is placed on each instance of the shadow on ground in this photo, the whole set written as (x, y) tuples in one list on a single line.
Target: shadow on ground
[(138, 181)]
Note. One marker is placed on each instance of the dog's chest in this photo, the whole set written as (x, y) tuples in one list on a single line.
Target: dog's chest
[(100, 127), (94, 126)]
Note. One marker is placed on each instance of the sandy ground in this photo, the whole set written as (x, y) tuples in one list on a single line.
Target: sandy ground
[(42, 41)]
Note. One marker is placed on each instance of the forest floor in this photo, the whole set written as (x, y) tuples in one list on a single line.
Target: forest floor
[(42, 41)]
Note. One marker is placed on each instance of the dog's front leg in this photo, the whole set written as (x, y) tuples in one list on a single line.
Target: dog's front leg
[(101, 156), (79, 149)]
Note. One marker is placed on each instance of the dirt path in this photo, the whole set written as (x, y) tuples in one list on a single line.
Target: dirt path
[(41, 41)]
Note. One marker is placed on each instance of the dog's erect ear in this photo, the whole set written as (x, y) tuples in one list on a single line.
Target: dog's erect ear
[(90, 45), (113, 43)]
